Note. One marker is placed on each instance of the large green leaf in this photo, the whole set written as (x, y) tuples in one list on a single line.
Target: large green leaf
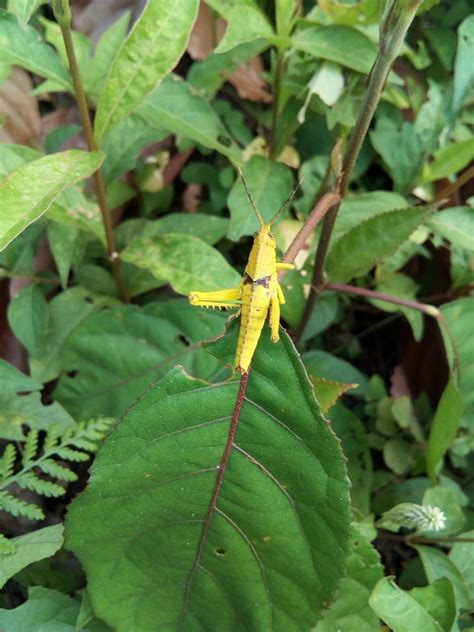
[(342, 44), (114, 355), (24, 9), (428, 609), (29, 191), (458, 315), (23, 46), (455, 224), (462, 556), (269, 183), (277, 537), (29, 548), (184, 261), (150, 51), (351, 611), (175, 107), (356, 252)]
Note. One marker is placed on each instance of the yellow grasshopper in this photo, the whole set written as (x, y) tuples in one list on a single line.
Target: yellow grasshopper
[(258, 294)]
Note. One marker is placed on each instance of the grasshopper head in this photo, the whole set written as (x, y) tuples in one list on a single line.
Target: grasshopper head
[(264, 236)]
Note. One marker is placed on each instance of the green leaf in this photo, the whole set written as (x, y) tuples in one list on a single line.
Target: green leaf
[(449, 160), (355, 445), (458, 315), (123, 145), (463, 67), (341, 44), (12, 380), (401, 149), (456, 225), (30, 190), (116, 354), (23, 46), (359, 13), (24, 9), (328, 392), (173, 106), (151, 50), (49, 611), (66, 311), (356, 252), (444, 428), (29, 548), (28, 317), (462, 556), (437, 565), (105, 51), (246, 23), (351, 611), (270, 183), (13, 156), (67, 244), (19, 409), (325, 365), (402, 610), (165, 474), (358, 208), (439, 601), (184, 261)]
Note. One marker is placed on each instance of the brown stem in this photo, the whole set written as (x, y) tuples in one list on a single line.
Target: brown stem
[(391, 40), (420, 539), (65, 24), (319, 211), (447, 192), (430, 310)]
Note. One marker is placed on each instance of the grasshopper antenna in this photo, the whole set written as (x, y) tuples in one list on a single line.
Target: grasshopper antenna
[(285, 204), (257, 212)]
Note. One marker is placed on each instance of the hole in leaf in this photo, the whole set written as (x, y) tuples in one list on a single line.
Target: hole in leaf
[(184, 340), (221, 551), (72, 373)]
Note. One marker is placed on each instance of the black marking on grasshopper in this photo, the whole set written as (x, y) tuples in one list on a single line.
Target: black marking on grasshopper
[(265, 281)]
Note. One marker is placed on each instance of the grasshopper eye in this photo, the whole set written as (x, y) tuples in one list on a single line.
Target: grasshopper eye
[(255, 235), (271, 235)]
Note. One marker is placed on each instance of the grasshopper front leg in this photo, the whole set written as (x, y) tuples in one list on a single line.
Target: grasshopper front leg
[(275, 317), (224, 299)]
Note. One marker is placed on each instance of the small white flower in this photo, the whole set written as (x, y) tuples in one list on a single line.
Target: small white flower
[(425, 518)]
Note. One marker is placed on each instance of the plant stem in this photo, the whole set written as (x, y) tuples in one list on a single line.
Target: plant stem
[(62, 13), (391, 40), (319, 211), (447, 192), (430, 310), (420, 539)]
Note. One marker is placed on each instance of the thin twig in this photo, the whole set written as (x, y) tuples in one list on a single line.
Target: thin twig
[(62, 13), (319, 211), (447, 192), (391, 40), (430, 310), (421, 539)]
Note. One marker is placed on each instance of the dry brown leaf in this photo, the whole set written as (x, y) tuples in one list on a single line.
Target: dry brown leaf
[(192, 197), (93, 17), (19, 109), (247, 79), (399, 384)]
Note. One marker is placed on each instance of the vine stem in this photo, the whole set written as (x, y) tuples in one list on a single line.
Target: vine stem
[(62, 12), (221, 469), (420, 539), (392, 33), (429, 310)]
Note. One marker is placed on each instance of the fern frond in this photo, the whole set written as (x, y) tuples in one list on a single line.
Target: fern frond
[(49, 466), (30, 481), (18, 507), (30, 447), (7, 461), (74, 445), (75, 456)]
